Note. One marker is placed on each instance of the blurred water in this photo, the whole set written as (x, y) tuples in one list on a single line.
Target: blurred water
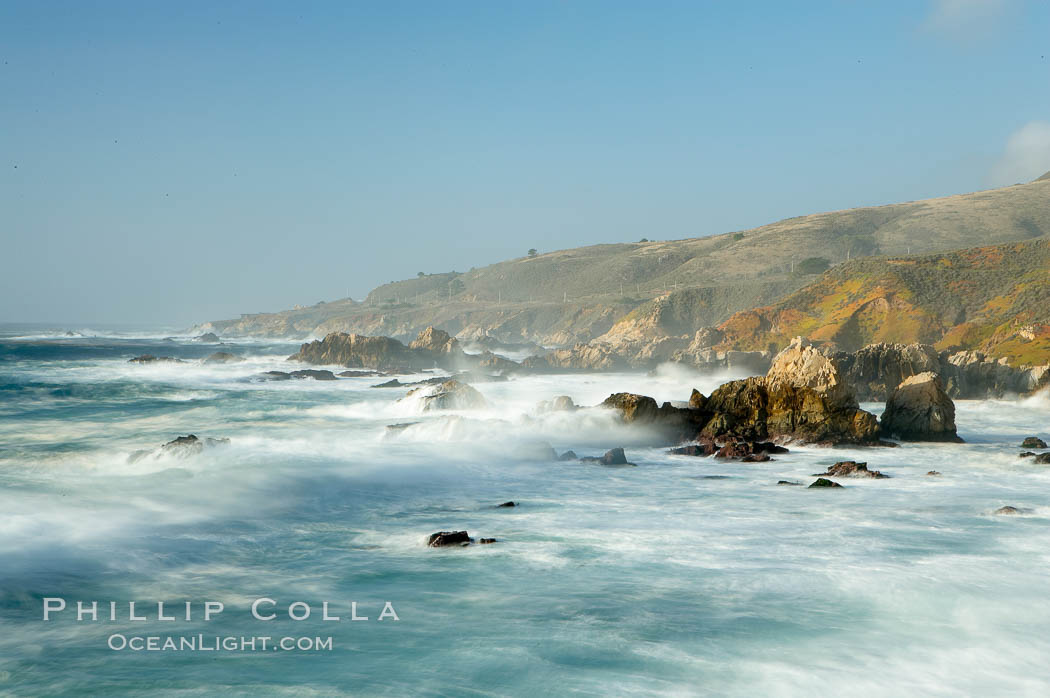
[(682, 576)]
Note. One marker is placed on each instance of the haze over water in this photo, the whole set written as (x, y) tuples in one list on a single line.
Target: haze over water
[(680, 576)]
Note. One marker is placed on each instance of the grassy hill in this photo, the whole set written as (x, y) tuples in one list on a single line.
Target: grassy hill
[(993, 298), (578, 294)]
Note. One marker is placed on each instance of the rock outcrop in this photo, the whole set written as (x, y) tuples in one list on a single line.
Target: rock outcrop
[(450, 395), (435, 341), (824, 482), (1033, 442), (877, 369), (581, 357), (803, 398), (920, 410), (179, 447)]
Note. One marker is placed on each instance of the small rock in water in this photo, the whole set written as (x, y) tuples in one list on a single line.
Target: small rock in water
[(756, 458), (789, 482), (612, 457), (399, 427), (568, 455), (851, 468), (444, 538), (1043, 459), (1007, 511), (933, 473), (486, 541), (1033, 442), (1026, 454), (824, 482), (506, 505)]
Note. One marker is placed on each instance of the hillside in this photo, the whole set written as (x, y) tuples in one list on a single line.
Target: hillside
[(995, 299), (578, 294)]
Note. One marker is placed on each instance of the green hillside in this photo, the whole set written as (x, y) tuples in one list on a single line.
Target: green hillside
[(995, 299)]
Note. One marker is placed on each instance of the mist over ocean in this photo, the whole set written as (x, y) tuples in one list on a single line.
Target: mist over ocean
[(680, 576)]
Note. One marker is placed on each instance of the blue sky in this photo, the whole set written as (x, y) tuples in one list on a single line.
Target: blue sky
[(177, 162)]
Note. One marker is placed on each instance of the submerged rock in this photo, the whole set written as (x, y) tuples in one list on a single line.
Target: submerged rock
[(824, 482), (446, 538), (179, 447), (789, 482), (933, 473), (749, 451), (1026, 454), (506, 505), (562, 403), (1033, 442), (1042, 459), (851, 468), (920, 410), (486, 541), (568, 455), (151, 359), (223, 357), (360, 374), (1007, 511)]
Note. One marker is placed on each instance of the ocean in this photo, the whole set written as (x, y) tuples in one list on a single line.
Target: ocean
[(680, 576)]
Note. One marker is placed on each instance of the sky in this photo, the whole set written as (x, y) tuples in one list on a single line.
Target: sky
[(176, 162)]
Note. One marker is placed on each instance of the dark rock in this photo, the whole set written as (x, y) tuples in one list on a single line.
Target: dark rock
[(276, 376), (1033, 442), (704, 448), (392, 383), (486, 541), (223, 357), (445, 538), (317, 375), (824, 482), (506, 505), (568, 455), (612, 457), (789, 482), (1042, 459), (207, 338), (1007, 511), (399, 427), (360, 374), (933, 473), (1026, 454), (920, 410), (850, 468), (749, 451), (697, 400)]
